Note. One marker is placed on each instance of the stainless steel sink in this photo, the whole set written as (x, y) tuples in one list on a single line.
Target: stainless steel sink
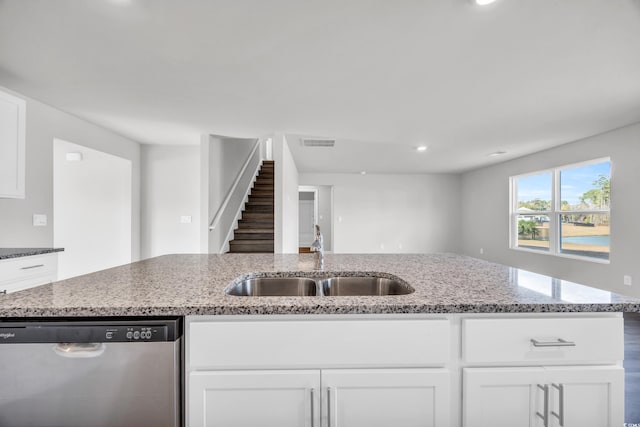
[(274, 286), (363, 285), (327, 286)]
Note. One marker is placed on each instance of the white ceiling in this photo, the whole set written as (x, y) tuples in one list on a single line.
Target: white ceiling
[(379, 76)]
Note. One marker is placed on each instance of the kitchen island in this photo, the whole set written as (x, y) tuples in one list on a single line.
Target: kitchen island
[(475, 344)]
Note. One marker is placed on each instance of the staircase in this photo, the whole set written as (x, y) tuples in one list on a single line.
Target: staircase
[(255, 228)]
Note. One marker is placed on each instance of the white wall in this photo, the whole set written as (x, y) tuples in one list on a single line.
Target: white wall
[(393, 213), (170, 185), (43, 124), (286, 197), (485, 195), (92, 210)]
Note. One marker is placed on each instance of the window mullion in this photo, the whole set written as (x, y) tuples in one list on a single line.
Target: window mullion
[(554, 217)]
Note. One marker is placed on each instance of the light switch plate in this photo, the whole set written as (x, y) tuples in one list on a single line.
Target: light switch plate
[(185, 219), (39, 220)]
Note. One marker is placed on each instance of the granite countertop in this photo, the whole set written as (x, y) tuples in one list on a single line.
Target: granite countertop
[(195, 284), (6, 253)]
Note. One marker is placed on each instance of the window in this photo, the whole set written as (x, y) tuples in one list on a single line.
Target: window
[(563, 211)]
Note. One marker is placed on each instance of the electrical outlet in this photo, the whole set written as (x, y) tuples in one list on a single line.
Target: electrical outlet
[(185, 219), (39, 220), (627, 280)]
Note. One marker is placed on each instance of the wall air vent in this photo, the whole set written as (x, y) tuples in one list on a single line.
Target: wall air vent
[(311, 142)]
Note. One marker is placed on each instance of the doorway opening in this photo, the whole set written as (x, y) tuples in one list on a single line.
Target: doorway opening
[(315, 206)]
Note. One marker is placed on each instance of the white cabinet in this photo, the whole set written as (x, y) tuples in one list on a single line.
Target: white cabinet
[(502, 397), (254, 398), (589, 396), (318, 372), (325, 398), (469, 370), (386, 397), (543, 371), (12, 146), (26, 272)]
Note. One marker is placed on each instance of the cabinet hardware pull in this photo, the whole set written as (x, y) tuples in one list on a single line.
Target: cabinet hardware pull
[(32, 266), (559, 343), (545, 416), (313, 392), (328, 406), (560, 414)]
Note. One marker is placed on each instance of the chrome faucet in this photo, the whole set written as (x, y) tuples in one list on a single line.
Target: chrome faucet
[(318, 247)]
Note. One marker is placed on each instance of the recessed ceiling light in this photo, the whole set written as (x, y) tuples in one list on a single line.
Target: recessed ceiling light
[(483, 2), (497, 153), (363, 172), (421, 149)]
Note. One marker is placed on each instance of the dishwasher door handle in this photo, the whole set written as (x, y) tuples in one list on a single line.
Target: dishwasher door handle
[(79, 350)]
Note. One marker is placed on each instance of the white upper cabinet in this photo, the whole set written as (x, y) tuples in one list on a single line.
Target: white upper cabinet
[(12, 146)]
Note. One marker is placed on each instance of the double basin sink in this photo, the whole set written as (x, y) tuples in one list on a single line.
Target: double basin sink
[(366, 285)]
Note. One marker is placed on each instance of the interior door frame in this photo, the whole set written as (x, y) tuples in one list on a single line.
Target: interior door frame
[(314, 190)]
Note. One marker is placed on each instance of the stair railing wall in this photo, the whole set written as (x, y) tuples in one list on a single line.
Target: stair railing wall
[(225, 219)]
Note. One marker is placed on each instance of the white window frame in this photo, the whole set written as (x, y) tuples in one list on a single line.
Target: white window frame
[(553, 214)]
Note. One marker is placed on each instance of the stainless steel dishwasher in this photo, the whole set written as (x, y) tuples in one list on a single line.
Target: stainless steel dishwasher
[(88, 373)]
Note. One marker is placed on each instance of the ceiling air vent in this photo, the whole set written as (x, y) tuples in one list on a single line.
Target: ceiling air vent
[(310, 142)]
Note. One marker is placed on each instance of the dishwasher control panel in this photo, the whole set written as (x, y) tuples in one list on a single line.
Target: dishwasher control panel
[(80, 332), (135, 333)]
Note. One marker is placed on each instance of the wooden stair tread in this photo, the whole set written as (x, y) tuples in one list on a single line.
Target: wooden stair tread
[(259, 203), (264, 215)]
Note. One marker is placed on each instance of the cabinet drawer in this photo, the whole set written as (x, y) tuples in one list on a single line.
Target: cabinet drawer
[(298, 344), (24, 268), (543, 340), (15, 286)]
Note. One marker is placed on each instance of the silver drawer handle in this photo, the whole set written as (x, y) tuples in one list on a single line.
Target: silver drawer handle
[(32, 266), (560, 414), (559, 343), (313, 392), (328, 406), (545, 414)]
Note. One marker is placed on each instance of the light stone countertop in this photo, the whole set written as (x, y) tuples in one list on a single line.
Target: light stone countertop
[(9, 253), (195, 284)]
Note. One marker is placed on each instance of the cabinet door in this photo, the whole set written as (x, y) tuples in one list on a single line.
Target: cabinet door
[(588, 396), (503, 397), (254, 398), (585, 396), (12, 146), (386, 397)]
